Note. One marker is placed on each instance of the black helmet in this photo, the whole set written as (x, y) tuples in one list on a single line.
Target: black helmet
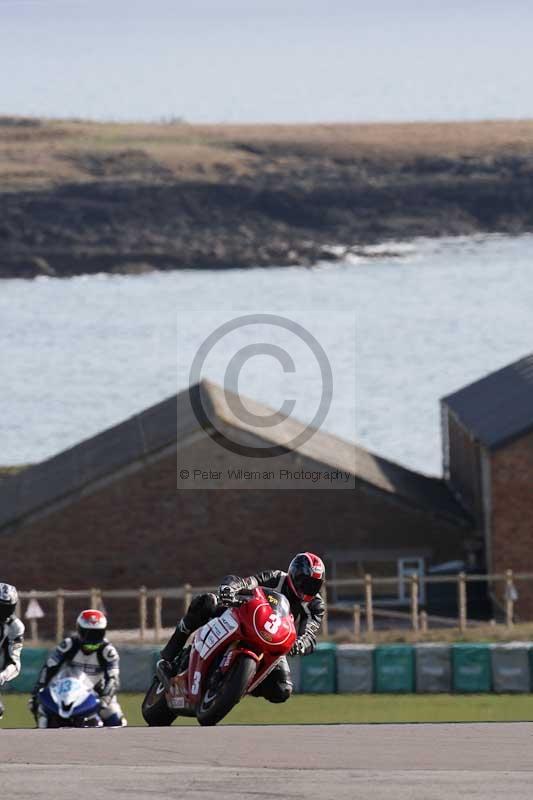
[(306, 575), (8, 601)]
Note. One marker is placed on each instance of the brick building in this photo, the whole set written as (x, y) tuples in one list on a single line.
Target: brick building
[(488, 463), (109, 513)]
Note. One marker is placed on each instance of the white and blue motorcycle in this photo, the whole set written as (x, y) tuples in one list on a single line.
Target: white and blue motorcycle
[(69, 701)]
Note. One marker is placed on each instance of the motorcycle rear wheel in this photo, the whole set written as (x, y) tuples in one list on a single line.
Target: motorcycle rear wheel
[(228, 692), (154, 707)]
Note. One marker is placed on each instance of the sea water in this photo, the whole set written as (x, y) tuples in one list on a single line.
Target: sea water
[(400, 329)]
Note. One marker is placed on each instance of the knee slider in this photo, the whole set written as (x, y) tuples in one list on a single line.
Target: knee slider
[(281, 693)]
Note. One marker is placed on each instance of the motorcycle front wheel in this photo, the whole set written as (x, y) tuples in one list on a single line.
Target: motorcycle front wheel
[(154, 707), (220, 698)]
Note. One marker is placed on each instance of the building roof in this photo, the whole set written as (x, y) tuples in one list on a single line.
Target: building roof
[(177, 420), (498, 408), (430, 494)]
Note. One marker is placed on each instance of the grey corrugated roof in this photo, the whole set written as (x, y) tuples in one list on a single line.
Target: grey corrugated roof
[(173, 420), (88, 461), (498, 408), (430, 494)]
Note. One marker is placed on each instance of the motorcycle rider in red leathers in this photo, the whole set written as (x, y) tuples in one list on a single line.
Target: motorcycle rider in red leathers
[(301, 585)]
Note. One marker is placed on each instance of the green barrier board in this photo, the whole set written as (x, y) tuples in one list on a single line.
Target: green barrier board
[(394, 668), (471, 668), (32, 662), (510, 667), (529, 645), (433, 667), (318, 671), (137, 666)]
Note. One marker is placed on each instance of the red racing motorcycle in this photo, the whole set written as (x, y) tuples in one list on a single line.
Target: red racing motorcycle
[(228, 658)]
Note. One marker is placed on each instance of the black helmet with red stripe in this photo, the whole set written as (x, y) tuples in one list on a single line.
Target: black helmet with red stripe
[(306, 575)]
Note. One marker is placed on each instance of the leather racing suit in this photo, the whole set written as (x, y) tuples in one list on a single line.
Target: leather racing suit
[(277, 686), (11, 641), (101, 667)]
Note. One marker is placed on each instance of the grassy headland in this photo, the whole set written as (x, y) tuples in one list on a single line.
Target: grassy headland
[(79, 197)]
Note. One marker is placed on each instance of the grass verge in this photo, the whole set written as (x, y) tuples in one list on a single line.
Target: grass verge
[(332, 709)]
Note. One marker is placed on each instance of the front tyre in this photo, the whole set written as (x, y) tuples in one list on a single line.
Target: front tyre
[(154, 707), (218, 700)]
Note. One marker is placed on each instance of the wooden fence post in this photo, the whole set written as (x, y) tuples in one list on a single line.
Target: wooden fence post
[(187, 597), (357, 621), (34, 630), (461, 596), (423, 622), (510, 594), (95, 598), (142, 613), (414, 601), (325, 622), (369, 607), (158, 615), (60, 614)]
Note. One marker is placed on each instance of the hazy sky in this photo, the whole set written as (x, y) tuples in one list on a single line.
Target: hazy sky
[(279, 60)]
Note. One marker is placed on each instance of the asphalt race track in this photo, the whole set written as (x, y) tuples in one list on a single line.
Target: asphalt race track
[(389, 762)]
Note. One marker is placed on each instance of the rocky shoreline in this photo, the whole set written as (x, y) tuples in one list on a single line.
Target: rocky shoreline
[(261, 200)]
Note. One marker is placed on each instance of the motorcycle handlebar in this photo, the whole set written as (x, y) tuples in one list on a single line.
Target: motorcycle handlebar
[(240, 597)]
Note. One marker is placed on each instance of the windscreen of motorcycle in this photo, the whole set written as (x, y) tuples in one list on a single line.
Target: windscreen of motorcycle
[(69, 690), (273, 620)]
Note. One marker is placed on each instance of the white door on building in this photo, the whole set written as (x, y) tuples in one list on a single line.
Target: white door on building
[(406, 568)]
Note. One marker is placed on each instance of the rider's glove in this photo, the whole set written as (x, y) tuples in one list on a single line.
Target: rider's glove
[(106, 689), (298, 648), (2, 679), (227, 594)]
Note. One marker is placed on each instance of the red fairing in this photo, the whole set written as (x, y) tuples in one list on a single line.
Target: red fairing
[(263, 628), (263, 625)]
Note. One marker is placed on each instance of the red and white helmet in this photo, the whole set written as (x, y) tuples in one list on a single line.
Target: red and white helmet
[(91, 626), (306, 575)]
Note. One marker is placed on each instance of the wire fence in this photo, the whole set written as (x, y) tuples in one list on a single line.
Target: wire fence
[(146, 614)]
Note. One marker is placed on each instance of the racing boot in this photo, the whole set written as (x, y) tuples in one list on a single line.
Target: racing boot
[(175, 644)]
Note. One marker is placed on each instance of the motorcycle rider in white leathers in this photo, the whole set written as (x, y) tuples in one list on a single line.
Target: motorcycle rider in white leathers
[(90, 651), (11, 636)]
